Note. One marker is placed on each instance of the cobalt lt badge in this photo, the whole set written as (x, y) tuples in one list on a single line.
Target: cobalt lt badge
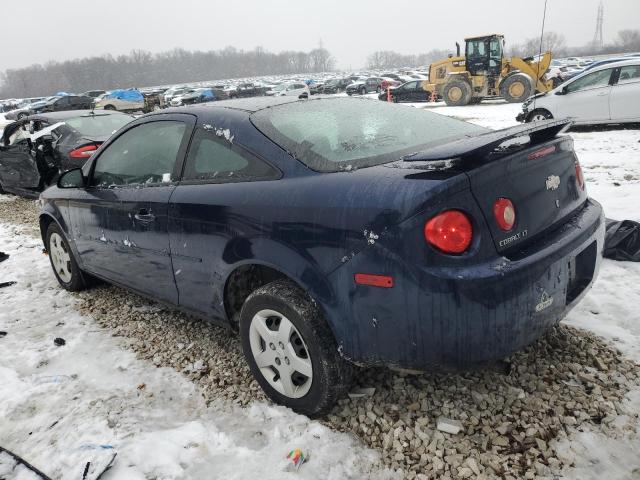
[(545, 302), (553, 182)]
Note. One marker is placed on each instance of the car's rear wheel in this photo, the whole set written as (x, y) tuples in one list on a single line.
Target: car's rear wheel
[(109, 107), (538, 115), (62, 260), (290, 349), (363, 91)]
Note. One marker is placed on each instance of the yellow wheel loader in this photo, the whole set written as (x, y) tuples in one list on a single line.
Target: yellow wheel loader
[(483, 72)]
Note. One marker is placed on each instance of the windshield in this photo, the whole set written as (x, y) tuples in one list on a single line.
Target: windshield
[(330, 135), (98, 125)]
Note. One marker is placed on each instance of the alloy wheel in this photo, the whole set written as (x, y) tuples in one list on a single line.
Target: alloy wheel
[(280, 353), (60, 257)]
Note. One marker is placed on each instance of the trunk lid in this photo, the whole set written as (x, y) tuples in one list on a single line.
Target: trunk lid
[(531, 166)]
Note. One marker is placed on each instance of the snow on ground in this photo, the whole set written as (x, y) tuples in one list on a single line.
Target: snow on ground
[(64, 406)]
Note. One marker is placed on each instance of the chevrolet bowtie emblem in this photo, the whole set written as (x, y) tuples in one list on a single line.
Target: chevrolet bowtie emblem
[(553, 182)]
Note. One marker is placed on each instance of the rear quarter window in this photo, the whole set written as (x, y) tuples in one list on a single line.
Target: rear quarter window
[(213, 159)]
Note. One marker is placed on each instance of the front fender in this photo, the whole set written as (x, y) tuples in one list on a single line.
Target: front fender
[(55, 212)]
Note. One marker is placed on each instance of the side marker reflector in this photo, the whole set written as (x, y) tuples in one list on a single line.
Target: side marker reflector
[(382, 281)]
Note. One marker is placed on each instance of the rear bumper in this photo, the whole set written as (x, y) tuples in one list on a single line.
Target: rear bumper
[(452, 317)]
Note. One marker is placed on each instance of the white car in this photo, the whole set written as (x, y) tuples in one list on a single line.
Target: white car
[(606, 94), (174, 92), (296, 89)]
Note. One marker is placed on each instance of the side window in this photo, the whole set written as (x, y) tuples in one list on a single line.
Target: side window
[(63, 101), (593, 80), (146, 154), (410, 86), (212, 158), (629, 74), (476, 48)]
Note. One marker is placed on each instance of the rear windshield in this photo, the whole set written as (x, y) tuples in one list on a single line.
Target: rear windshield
[(98, 125), (331, 135)]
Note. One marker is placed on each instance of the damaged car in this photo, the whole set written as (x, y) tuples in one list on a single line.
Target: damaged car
[(36, 149), (335, 233)]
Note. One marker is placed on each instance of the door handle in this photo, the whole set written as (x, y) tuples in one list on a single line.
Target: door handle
[(144, 216)]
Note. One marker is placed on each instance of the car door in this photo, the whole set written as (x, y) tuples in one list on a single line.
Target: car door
[(624, 102), (18, 167), (586, 99), (409, 91), (119, 221), (63, 103), (209, 223)]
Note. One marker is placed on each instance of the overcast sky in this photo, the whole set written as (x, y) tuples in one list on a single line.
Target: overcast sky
[(349, 29)]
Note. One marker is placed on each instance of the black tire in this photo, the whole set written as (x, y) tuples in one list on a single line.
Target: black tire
[(331, 376), (109, 107), (457, 93), (475, 100), (516, 88), (78, 279), (363, 91), (539, 114)]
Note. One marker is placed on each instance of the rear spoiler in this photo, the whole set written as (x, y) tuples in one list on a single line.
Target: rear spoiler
[(497, 142)]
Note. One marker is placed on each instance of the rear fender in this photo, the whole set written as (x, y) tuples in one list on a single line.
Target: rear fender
[(286, 260)]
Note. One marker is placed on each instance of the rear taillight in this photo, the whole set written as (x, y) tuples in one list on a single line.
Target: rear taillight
[(450, 231), (579, 175), (83, 152), (504, 213), (542, 152)]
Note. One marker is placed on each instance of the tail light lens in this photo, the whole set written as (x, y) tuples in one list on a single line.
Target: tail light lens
[(504, 213), (449, 232), (83, 152), (579, 176)]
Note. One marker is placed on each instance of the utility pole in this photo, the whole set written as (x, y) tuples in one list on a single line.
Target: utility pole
[(598, 41)]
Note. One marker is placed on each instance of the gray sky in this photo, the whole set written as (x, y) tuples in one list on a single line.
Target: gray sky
[(350, 29)]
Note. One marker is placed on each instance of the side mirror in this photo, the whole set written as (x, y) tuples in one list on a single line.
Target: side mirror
[(564, 91), (72, 179)]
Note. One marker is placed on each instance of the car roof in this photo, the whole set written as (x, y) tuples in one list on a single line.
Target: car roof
[(67, 114), (621, 63), (251, 104)]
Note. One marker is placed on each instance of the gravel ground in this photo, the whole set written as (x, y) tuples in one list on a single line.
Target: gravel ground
[(510, 412)]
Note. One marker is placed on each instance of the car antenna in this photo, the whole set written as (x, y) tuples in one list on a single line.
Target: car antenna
[(544, 18)]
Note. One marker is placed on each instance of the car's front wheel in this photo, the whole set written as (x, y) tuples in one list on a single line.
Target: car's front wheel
[(62, 260), (538, 115), (291, 350)]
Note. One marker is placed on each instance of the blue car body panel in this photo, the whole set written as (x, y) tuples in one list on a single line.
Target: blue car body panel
[(320, 229)]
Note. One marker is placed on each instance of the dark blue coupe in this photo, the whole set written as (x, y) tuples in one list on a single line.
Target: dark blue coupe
[(335, 233)]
